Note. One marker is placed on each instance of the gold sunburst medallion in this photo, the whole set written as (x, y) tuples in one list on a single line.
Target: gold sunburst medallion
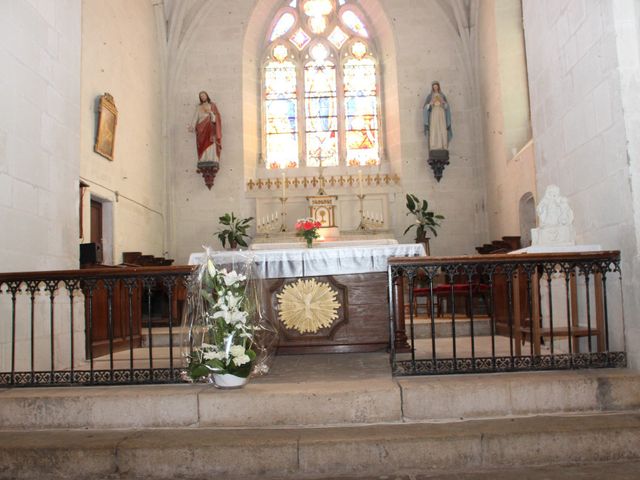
[(308, 305)]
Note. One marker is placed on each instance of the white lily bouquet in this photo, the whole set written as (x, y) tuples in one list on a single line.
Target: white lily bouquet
[(222, 338)]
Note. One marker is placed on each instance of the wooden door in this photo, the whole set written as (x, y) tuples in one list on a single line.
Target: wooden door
[(96, 223)]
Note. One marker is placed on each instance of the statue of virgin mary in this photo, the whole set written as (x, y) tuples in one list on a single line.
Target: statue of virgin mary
[(437, 119)]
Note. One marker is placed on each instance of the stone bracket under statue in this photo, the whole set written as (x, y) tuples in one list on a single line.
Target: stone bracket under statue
[(209, 170), (438, 159)]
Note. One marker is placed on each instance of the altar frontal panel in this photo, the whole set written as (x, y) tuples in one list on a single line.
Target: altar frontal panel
[(330, 314)]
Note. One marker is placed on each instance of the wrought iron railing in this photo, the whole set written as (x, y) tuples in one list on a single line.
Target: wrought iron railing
[(496, 313), (92, 326)]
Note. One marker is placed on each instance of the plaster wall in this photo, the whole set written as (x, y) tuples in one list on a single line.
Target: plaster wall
[(213, 63), (580, 129), (626, 16), (506, 126), (39, 141), (121, 55), (428, 49), (416, 45)]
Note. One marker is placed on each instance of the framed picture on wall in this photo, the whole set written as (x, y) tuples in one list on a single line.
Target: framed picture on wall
[(106, 132)]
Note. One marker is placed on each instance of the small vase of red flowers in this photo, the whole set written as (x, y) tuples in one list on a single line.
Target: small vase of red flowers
[(308, 229)]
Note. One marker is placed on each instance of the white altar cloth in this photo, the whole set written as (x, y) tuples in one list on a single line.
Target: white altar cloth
[(310, 262), (317, 244)]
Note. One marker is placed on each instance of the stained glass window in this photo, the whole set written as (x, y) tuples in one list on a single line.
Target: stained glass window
[(300, 39), (283, 25), (338, 37), (352, 21), (361, 111), (281, 125), (321, 121), (315, 8), (320, 88)]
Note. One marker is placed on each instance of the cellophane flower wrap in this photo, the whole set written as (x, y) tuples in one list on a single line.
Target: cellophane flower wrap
[(225, 330), (308, 228)]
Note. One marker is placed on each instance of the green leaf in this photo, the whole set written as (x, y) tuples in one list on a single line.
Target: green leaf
[(241, 242), (198, 371), (411, 204), (409, 228)]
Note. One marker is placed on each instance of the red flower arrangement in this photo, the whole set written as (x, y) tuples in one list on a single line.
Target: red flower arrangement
[(308, 228)]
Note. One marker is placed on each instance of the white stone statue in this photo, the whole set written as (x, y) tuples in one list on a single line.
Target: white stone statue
[(555, 220)]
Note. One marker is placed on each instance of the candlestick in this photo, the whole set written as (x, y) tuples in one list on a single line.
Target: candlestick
[(363, 223), (283, 226), (284, 185), (360, 180)]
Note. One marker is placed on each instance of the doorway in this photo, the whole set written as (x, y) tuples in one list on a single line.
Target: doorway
[(101, 228), (527, 210)]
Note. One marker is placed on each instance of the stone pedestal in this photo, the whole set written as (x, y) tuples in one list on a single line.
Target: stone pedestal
[(438, 159), (557, 236)]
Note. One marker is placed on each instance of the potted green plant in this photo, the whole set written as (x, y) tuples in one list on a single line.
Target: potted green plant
[(424, 219), (235, 232)]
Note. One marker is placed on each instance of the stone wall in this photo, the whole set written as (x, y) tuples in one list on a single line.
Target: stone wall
[(122, 55), (581, 130), (416, 45), (626, 17), (505, 114), (39, 140)]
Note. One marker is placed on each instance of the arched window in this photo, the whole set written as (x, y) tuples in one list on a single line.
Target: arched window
[(321, 102)]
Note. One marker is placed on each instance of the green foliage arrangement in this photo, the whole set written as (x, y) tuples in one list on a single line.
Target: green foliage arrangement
[(236, 231), (424, 218)]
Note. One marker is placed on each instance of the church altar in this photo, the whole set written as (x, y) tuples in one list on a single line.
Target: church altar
[(326, 299)]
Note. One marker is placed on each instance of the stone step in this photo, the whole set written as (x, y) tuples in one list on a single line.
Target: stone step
[(298, 453), (302, 401)]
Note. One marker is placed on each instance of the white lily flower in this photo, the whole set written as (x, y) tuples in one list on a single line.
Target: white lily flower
[(237, 317), (232, 300), (232, 278), (211, 268), (236, 350), (223, 313), (215, 356), (241, 360)]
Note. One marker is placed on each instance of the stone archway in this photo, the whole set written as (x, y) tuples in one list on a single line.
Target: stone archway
[(527, 215)]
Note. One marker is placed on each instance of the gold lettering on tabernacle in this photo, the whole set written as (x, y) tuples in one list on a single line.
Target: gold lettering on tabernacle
[(322, 202)]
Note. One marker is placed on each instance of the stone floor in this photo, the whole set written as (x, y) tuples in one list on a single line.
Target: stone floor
[(376, 363), (592, 471)]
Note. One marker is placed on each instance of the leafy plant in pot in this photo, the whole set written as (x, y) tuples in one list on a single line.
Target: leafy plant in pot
[(424, 219), (236, 231)]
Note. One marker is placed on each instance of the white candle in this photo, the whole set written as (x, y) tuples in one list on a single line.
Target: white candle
[(284, 188), (360, 180)]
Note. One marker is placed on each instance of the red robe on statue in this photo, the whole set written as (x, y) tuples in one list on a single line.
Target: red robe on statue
[(208, 133)]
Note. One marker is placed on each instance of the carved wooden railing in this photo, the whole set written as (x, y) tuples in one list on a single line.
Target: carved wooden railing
[(493, 313), (91, 326)]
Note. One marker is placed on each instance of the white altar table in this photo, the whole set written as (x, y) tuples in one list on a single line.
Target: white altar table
[(331, 259)]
